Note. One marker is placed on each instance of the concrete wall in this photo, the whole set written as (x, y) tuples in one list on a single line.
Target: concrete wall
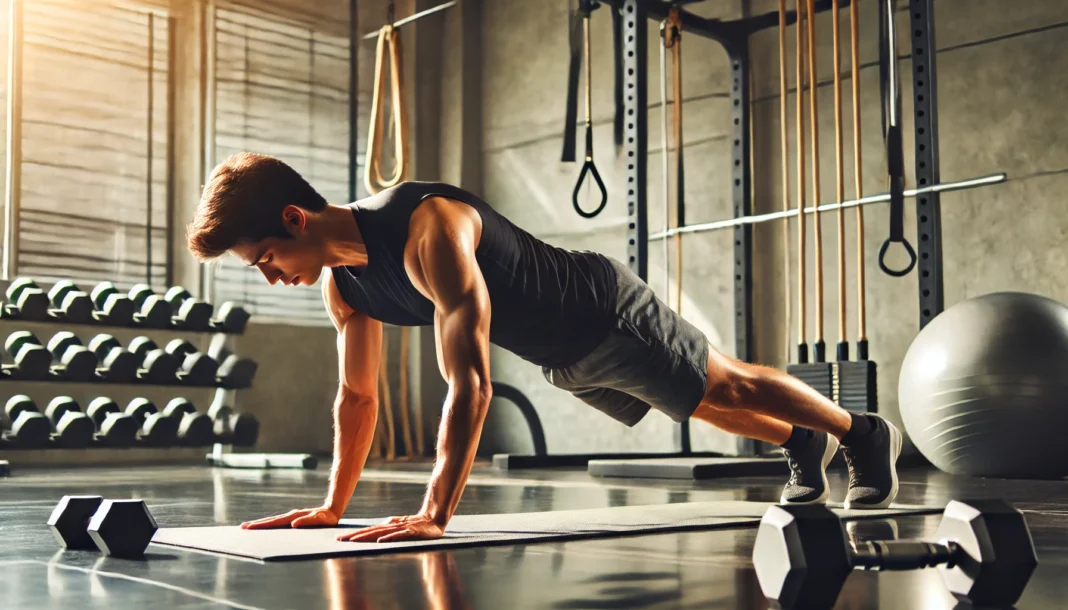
[(998, 71)]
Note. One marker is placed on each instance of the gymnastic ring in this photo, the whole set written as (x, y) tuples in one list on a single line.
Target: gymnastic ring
[(894, 272), (590, 168)]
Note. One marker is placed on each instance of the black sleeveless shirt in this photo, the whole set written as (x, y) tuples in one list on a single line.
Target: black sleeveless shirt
[(549, 306)]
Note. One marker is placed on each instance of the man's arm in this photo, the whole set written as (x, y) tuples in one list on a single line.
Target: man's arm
[(359, 351), (440, 260)]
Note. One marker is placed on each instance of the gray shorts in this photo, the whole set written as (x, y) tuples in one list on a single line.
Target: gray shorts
[(651, 358)]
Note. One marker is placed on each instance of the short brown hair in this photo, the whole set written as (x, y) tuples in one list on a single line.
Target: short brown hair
[(243, 202)]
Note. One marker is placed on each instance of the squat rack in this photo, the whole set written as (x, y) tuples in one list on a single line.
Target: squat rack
[(734, 36)]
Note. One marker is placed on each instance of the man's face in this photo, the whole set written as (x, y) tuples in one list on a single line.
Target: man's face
[(297, 260)]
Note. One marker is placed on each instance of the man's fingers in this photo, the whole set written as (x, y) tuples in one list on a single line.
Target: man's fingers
[(369, 534), (268, 522), (310, 520), (404, 534)]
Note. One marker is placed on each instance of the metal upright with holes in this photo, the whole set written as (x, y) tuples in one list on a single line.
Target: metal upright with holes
[(928, 206)]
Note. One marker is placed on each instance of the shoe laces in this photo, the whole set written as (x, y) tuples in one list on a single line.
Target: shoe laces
[(855, 472), (795, 468)]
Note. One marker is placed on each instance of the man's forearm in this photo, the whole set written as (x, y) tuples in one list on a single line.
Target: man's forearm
[(354, 427), (461, 426)]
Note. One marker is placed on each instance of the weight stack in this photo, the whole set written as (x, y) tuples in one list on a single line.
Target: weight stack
[(818, 375), (856, 386)]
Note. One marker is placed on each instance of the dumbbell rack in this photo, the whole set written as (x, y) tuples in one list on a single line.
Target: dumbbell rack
[(220, 333)]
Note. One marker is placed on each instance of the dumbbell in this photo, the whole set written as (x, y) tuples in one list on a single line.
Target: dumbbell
[(117, 365), (150, 310), (113, 427), (112, 307), (229, 428), (157, 430), (187, 312), (74, 361), (196, 368), (194, 429), (231, 318), (74, 429), (233, 372), (32, 360), (984, 551), (26, 300), (26, 427), (119, 528), (156, 366), (71, 304)]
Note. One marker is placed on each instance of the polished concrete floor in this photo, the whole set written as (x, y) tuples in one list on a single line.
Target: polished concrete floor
[(678, 570)]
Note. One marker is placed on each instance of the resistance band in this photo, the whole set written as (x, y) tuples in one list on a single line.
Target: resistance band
[(664, 157), (839, 192), (854, 34), (802, 343), (785, 155), (895, 157), (673, 41), (818, 354), (588, 167)]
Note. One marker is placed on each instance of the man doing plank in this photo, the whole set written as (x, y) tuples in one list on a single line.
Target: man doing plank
[(422, 254)]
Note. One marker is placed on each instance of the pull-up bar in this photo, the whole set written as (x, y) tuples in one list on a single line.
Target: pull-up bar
[(419, 15)]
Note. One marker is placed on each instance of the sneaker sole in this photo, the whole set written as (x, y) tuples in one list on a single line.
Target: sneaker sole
[(828, 455), (895, 444)]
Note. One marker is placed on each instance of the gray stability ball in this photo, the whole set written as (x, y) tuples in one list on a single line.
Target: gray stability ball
[(984, 387)]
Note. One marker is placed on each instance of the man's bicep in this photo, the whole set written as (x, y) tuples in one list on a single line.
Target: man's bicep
[(359, 352)]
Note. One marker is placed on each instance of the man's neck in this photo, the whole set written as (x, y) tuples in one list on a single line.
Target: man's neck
[(341, 235)]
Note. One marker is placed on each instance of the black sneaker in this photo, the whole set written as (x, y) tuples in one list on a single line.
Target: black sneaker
[(872, 465), (808, 470)]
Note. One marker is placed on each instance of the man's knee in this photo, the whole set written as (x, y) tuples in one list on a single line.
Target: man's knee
[(731, 384)]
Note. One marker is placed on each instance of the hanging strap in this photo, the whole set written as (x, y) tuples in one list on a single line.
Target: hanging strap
[(890, 88), (589, 169), (373, 178), (617, 54), (574, 67)]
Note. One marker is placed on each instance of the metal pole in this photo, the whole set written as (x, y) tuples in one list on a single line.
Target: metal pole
[(636, 134), (430, 11), (172, 93), (209, 86), (925, 115), (148, 147), (13, 192), (354, 59)]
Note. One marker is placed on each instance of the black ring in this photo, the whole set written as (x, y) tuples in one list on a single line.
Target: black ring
[(590, 168), (893, 272)]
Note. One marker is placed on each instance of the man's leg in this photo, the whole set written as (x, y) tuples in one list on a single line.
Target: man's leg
[(772, 406)]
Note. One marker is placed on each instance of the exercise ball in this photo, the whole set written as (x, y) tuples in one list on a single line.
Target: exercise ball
[(983, 389)]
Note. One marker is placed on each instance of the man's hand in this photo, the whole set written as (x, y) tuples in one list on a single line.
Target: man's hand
[(304, 517), (397, 529)]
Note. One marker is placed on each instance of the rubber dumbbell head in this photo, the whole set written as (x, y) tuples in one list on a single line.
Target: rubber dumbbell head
[(27, 428), (117, 365), (28, 300), (157, 430), (234, 372), (196, 368), (245, 429), (113, 427), (801, 556), (194, 429), (73, 428), (232, 318), (122, 528), (152, 311), (72, 304), (156, 365), (75, 361), (69, 522), (32, 360), (112, 307), (190, 313)]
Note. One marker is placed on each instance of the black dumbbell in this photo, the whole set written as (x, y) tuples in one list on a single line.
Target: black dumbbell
[(194, 429), (156, 366), (119, 528), (229, 428), (32, 360), (74, 429), (197, 368), (157, 430), (151, 310), (233, 372), (984, 551), (70, 303), (73, 360), (26, 300), (113, 427), (26, 427), (112, 307), (188, 313), (117, 365), (231, 318)]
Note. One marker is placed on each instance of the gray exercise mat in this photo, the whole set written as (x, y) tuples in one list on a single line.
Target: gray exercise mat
[(484, 530), (689, 468)]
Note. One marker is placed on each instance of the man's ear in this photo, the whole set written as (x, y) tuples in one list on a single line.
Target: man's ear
[(295, 219)]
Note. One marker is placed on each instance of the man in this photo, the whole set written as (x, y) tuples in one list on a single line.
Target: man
[(432, 254)]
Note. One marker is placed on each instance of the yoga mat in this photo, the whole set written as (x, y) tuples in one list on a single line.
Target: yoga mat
[(493, 529)]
